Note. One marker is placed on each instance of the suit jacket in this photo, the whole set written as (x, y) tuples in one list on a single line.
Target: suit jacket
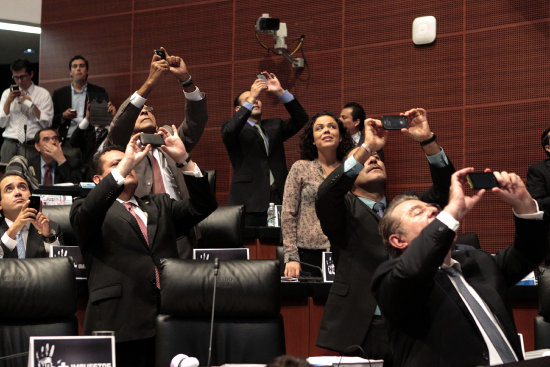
[(190, 131), (85, 140), (352, 228), (62, 99), (122, 293), (62, 173), (251, 164), (429, 325), (35, 242)]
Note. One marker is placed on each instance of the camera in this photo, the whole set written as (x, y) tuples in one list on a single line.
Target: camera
[(14, 87), (161, 53), (266, 24)]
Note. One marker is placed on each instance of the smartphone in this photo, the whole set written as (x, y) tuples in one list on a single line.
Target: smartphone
[(99, 109), (161, 53), (261, 76), (153, 139), (395, 122), (35, 202), (482, 180), (14, 87)]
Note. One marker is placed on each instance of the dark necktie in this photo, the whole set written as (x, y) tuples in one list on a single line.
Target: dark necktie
[(158, 184), (379, 208), (143, 229), (259, 128), (47, 181), (504, 351)]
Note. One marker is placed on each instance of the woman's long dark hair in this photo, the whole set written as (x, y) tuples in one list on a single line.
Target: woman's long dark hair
[(309, 151)]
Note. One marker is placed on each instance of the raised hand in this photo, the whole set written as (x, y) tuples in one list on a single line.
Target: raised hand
[(419, 129), (375, 135), (511, 189), (460, 203)]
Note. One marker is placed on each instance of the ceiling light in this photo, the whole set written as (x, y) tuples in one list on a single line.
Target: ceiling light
[(20, 28)]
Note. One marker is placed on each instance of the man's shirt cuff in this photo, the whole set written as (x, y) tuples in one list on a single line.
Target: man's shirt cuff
[(83, 125), (439, 160), (195, 173), (9, 242), (195, 95), (352, 168), (137, 100), (117, 176), (536, 216), (286, 97), (448, 220), (249, 106)]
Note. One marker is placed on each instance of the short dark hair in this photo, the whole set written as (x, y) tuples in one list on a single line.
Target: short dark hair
[(96, 166), (286, 360), (237, 100), (37, 135), (309, 151), (13, 173), (357, 112), (544, 140), (21, 64), (77, 57)]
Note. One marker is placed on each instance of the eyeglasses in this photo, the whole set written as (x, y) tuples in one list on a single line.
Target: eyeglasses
[(148, 108), (19, 77), (47, 139)]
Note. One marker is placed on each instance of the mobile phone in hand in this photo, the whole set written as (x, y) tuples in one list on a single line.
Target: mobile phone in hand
[(14, 87), (161, 53), (35, 202), (482, 180), (153, 139), (261, 76), (395, 122)]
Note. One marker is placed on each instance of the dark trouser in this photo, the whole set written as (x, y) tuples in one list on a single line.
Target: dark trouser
[(377, 344), (136, 353)]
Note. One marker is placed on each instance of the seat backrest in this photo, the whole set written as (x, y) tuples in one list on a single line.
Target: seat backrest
[(223, 228), (60, 215), (248, 326), (38, 298)]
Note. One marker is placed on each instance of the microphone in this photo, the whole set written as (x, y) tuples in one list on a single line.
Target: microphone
[(312, 266), (183, 360), (16, 355), (25, 142), (216, 269)]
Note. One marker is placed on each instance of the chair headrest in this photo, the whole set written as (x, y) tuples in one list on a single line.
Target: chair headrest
[(60, 214), (39, 288), (248, 289), (223, 228)]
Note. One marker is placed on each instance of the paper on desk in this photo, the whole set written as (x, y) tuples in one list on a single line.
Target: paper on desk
[(289, 279), (335, 360)]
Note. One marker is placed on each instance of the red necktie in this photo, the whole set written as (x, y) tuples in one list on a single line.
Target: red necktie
[(158, 184), (143, 229), (47, 181)]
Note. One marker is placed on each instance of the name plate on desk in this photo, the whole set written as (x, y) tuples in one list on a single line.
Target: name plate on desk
[(72, 351), (75, 253), (221, 253), (329, 271)]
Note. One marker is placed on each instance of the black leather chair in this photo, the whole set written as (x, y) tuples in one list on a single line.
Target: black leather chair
[(248, 326), (37, 298), (223, 228), (542, 320)]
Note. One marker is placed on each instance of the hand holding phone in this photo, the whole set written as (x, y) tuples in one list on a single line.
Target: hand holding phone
[(482, 180), (14, 87), (395, 122), (34, 202), (261, 76)]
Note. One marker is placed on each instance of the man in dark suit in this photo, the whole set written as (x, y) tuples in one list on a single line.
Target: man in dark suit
[(69, 102), (450, 308), (51, 166), (123, 238), (538, 179), (349, 207), (353, 117), (256, 148), (25, 232)]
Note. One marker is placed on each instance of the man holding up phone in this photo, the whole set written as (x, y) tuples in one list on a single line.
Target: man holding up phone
[(350, 203), (23, 111), (24, 230), (256, 147)]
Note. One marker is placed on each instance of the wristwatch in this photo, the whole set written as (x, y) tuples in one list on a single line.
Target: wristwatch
[(181, 165), (51, 238)]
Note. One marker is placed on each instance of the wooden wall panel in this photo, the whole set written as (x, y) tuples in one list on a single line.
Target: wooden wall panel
[(396, 77), (492, 13), (371, 22), (104, 42), (508, 64), (149, 4), (63, 11)]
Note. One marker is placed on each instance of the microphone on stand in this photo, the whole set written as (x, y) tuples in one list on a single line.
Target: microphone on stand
[(216, 269), (313, 266), (25, 142)]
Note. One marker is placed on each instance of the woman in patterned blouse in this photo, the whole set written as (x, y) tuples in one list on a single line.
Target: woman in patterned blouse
[(324, 143)]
